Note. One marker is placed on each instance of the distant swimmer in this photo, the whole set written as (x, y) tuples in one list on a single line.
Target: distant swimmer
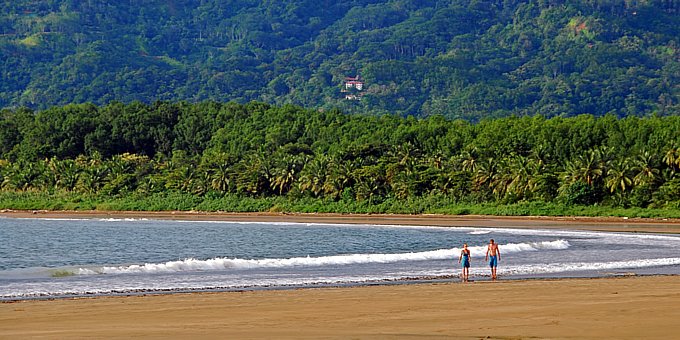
[(465, 258), (493, 255)]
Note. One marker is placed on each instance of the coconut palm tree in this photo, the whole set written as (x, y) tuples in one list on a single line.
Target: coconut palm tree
[(587, 168), (470, 160), (486, 173), (436, 160), (254, 174), (340, 176), (313, 176), (522, 171), (286, 172), (93, 179), (619, 176), (370, 182), (22, 176), (182, 177), (646, 167), (69, 174), (4, 166), (220, 177), (672, 158)]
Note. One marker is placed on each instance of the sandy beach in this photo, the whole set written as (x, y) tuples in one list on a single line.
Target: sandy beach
[(671, 226), (627, 307), (613, 308)]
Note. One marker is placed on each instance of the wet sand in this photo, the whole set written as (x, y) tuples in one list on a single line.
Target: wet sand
[(576, 223), (631, 307), (614, 308)]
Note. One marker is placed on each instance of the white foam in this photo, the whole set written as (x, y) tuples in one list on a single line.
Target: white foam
[(123, 285), (553, 268), (77, 219), (50, 218), (121, 219), (236, 263), (573, 233)]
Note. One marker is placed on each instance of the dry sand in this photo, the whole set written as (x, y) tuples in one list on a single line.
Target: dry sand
[(636, 307)]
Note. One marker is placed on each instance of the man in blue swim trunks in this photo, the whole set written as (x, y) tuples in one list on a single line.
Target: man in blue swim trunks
[(493, 255)]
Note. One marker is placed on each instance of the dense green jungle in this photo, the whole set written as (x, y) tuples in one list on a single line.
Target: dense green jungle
[(214, 156), (469, 59), (361, 106)]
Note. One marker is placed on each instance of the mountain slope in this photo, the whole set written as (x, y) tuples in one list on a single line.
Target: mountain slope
[(462, 59)]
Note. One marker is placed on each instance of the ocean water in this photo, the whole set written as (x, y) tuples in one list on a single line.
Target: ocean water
[(79, 257)]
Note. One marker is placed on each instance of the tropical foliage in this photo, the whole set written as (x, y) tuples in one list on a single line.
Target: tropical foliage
[(465, 59), (212, 153)]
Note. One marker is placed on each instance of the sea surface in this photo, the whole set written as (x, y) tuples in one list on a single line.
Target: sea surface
[(51, 258)]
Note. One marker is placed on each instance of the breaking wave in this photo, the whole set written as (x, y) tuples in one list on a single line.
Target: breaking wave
[(348, 259)]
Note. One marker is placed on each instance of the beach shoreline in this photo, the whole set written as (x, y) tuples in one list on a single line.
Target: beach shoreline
[(613, 308), (610, 224), (616, 307)]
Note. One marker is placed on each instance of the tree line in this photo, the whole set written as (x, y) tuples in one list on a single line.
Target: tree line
[(258, 150)]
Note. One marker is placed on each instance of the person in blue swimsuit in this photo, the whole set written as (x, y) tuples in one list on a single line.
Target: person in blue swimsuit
[(493, 255), (465, 258)]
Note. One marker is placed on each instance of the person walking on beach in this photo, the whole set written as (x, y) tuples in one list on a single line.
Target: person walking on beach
[(465, 258), (493, 255)]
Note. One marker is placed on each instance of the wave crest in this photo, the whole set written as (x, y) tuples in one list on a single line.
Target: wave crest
[(222, 263)]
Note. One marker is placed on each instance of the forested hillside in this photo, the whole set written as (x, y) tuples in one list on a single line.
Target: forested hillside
[(461, 59)]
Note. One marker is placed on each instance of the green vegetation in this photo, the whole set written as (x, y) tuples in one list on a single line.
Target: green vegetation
[(466, 59), (256, 157), (62, 273)]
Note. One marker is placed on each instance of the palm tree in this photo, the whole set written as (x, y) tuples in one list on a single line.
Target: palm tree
[(286, 173), (646, 168), (22, 176), (254, 174), (587, 168), (69, 174), (182, 177), (220, 177), (619, 176), (521, 176), (541, 156), (405, 154), (313, 176), (52, 173), (370, 182), (92, 179), (486, 173), (125, 171), (455, 183), (399, 180), (4, 166), (62, 174), (340, 177), (470, 160), (436, 160), (672, 158)]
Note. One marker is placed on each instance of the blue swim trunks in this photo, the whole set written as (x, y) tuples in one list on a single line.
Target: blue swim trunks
[(493, 261), (466, 262)]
